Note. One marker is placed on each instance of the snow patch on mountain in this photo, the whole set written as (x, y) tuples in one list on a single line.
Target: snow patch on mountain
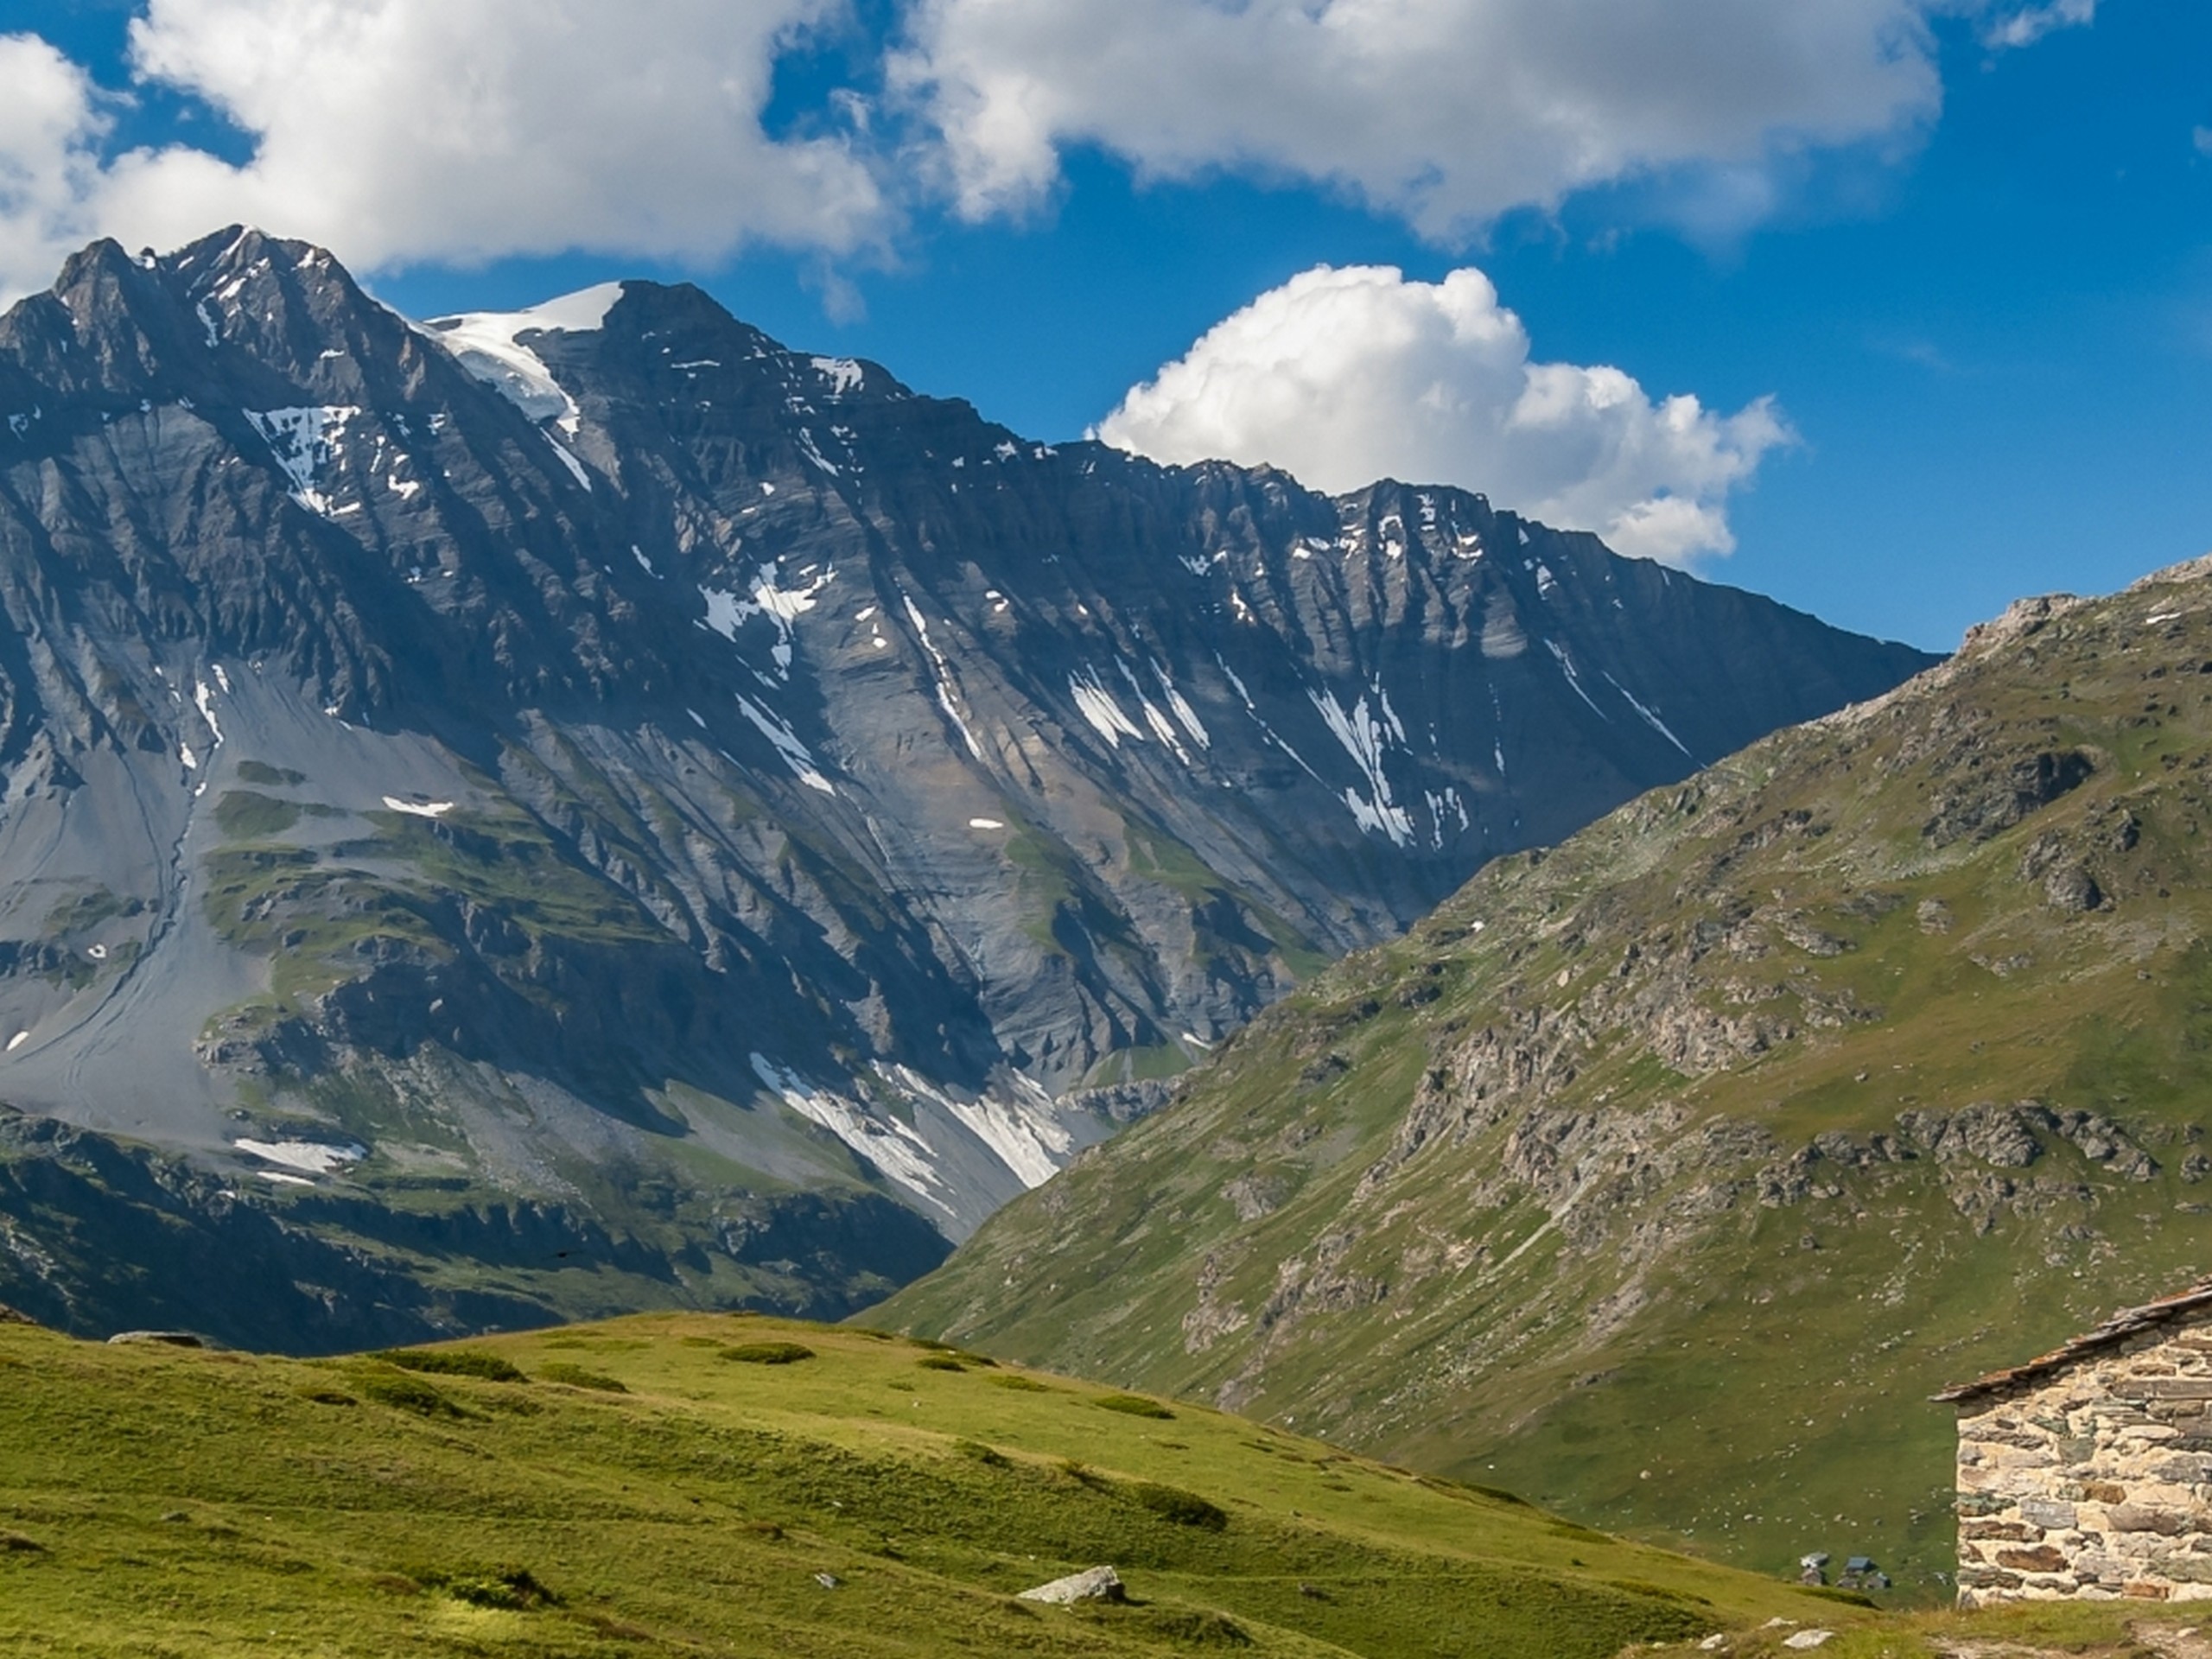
[(1650, 718), (488, 344), (303, 441), (1367, 738), (1183, 713), (1023, 1135), (1444, 806), (204, 700), (1267, 733), (948, 687), (891, 1147), (1575, 678), (1096, 705), (1161, 726), (316, 1157), (767, 595), (786, 741)]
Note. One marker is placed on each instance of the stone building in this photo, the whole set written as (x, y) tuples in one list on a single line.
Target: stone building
[(2088, 1473)]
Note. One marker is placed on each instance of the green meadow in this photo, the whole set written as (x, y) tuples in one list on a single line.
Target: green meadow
[(720, 1484)]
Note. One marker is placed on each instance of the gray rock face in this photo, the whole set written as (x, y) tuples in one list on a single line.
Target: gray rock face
[(597, 770)]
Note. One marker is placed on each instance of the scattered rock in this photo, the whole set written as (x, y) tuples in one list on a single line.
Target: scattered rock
[(2069, 887), (1099, 1584), (828, 1580), (1808, 1638), (168, 1338), (1714, 1642)]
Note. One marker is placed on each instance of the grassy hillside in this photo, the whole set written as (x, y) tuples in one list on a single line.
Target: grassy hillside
[(662, 1484), (1663, 1176)]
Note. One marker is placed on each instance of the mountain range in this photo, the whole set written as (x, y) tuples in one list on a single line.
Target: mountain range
[(1663, 1176), (536, 815)]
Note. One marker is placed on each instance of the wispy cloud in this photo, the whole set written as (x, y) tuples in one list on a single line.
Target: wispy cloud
[(2031, 23)]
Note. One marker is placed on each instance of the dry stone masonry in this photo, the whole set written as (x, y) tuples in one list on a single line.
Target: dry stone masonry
[(2086, 1474)]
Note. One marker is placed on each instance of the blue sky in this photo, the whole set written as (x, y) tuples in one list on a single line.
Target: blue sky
[(1982, 302)]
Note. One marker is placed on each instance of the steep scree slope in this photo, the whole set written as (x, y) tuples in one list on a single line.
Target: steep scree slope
[(1663, 1176), (486, 789)]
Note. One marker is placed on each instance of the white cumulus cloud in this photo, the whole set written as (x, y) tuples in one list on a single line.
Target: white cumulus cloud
[(395, 130), (50, 122), (1447, 111), (1344, 375)]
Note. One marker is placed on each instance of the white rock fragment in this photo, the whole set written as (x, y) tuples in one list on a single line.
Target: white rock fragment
[(1808, 1638), (1099, 1584)]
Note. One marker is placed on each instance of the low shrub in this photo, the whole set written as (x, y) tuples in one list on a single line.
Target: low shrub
[(575, 1376), (939, 1363), (513, 1588), (976, 1451), (1134, 1405), (453, 1362), (1019, 1384), (1184, 1509), (768, 1353), (326, 1396), (407, 1393)]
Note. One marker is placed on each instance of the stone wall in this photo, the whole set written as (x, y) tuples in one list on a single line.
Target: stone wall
[(2096, 1482)]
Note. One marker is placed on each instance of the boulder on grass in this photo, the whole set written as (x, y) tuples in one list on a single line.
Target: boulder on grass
[(1099, 1584)]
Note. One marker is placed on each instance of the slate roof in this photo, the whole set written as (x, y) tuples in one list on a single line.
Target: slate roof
[(2126, 1323)]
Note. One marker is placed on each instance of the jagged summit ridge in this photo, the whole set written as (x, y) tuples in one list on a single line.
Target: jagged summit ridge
[(685, 775)]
